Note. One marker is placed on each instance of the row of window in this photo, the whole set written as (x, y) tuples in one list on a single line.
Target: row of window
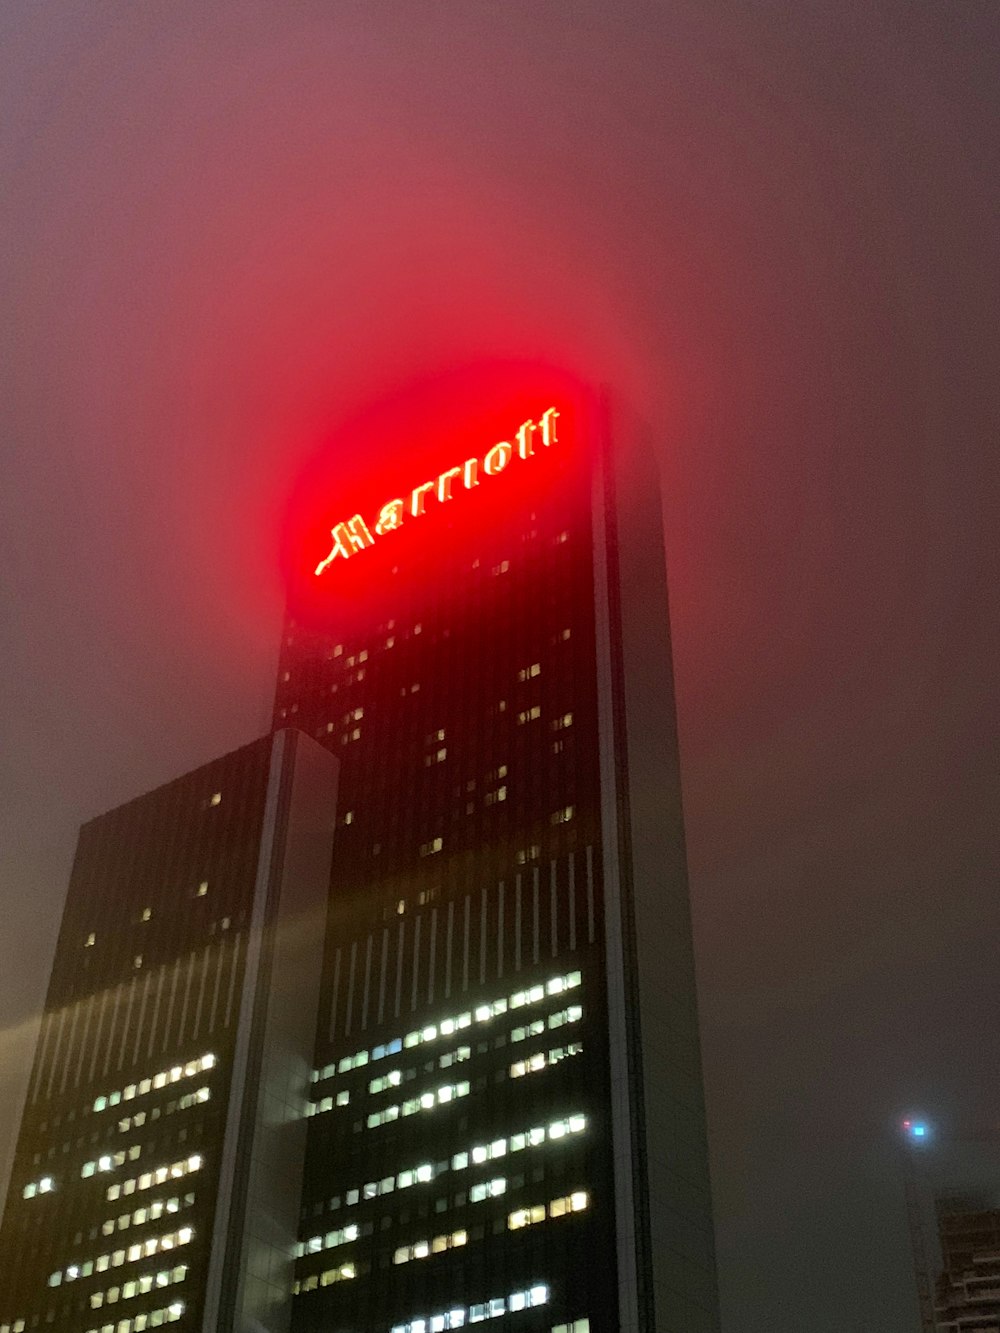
[(147, 912), (362, 654), (449, 1026), (44, 1186), (542, 1059), (418, 1175), (425, 1173), (140, 1286), (328, 1103), (108, 1161), (487, 1189), (325, 1279), (169, 1314), (572, 1014), (196, 1098), (330, 1241), (116, 1258), (154, 1210), (474, 1314), (427, 1101), (526, 854), (421, 1249), (162, 1173), (568, 1203), (530, 1138), (159, 1080)]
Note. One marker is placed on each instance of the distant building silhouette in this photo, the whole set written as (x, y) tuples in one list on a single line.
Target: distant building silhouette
[(967, 1295)]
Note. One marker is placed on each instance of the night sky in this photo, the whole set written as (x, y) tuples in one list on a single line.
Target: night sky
[(773, 229)]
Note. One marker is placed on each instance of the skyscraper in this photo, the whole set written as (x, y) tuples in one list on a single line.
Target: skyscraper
[(508, 1114), (159, 1162), (501, 1116)]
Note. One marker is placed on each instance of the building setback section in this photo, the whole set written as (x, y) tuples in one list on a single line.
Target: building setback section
[(159, 1164)]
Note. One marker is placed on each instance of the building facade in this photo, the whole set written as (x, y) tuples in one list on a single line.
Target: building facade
[(507, 1119), (967, 1294), (159, 1164)]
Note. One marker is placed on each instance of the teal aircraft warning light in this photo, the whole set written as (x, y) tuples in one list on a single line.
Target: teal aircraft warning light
[(916, 1131)]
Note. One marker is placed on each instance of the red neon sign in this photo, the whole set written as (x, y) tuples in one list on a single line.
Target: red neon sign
[(355, 535)]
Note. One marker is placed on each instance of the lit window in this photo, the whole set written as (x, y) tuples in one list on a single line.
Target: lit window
[(216, 798), (90, 941), (202, 889), (529, 672)]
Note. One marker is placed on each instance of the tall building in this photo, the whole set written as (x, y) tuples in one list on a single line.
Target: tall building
[(508, 1119), (449, 1072), (967, 1295), (159, 1164)]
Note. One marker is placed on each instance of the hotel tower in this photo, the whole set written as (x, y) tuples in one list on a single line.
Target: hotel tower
[(416, 1045)]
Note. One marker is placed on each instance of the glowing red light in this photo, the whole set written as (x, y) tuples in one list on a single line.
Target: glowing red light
[(354, 534)]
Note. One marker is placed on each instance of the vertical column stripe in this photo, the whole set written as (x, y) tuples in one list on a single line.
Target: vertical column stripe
[(175, 973), (517, 924), (140, 1025), (590, 894), (447, 950), (482, 936), (217, 987), (95, 1052), (554, 908), (127, 1027), (351, 967), (416, 964), (232, 982), (187, 999), (88, 1006), (53, 1059), (572, 901), (334, 994), (156, 1011), (465, 943), (535, 941), (400, 940), (368, 977), (432, 955), (201, 992), (381, 975)]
